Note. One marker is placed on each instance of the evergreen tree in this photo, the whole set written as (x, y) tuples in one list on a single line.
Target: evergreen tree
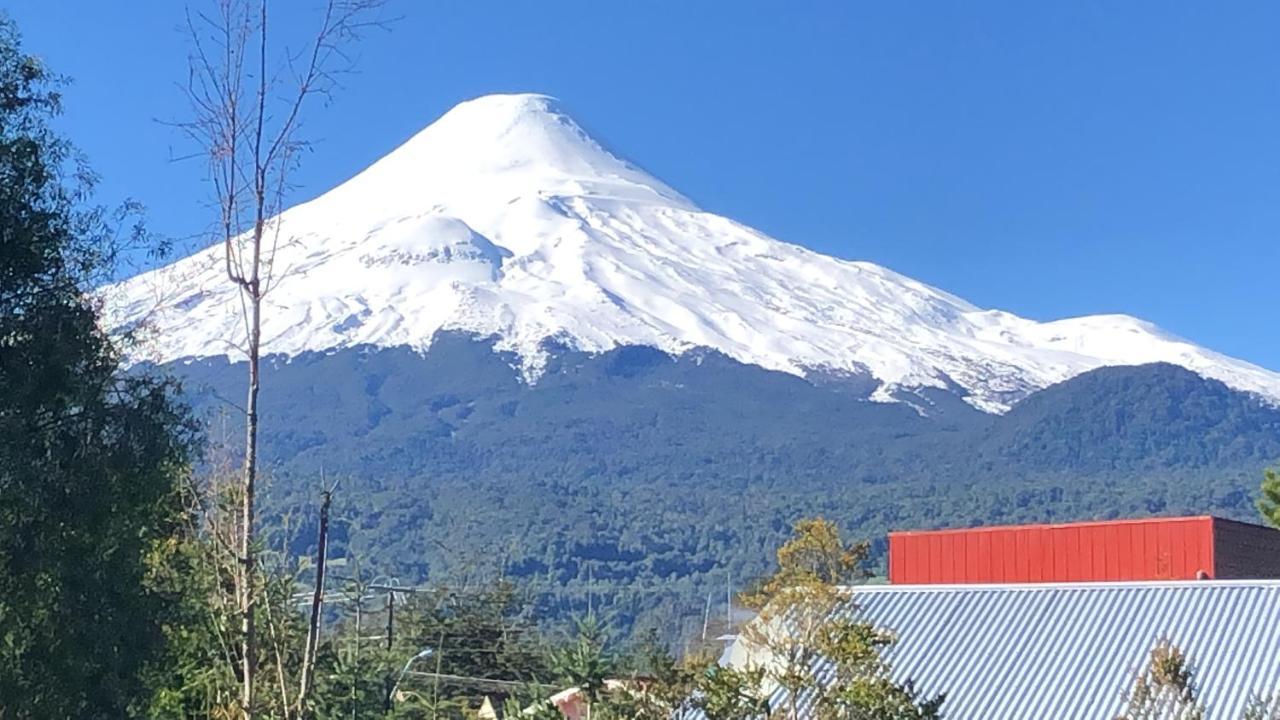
[(726, 693), (1269, 500), (486, 632), (89, 456), (532, 703), (586, 662)]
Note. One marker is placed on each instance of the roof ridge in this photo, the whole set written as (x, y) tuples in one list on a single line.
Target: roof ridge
[(1098, 585)]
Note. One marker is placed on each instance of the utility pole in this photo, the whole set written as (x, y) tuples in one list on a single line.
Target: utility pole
[(435, 688), (706, 618), (356, 651), (391, 617), (728, 602), (391, 628), (317, 598)]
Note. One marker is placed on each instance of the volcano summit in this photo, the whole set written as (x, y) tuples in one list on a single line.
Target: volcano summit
[(506, 220)]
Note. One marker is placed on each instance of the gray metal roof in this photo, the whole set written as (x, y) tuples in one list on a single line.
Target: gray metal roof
[(1073, 650)]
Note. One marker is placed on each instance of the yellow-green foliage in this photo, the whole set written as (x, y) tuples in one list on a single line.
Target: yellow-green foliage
[(802, 624), (1165, 690), (1269, 501)]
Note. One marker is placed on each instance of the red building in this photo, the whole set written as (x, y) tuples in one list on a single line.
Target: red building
[(1184, 548)]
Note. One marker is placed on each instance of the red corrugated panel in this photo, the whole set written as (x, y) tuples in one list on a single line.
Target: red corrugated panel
[(1022, 555), (1164, 552), (1075, 559), (972, 556), (1126, 560), (990, 563), (1155, 549), (1112, 559), (999, 555), (1059, 556), (1097, 541), (1035, 556)]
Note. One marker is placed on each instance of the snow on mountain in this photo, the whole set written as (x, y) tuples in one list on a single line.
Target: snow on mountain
[(504, 218)]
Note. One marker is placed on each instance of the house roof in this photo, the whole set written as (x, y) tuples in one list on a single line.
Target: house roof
[(1072, 650)]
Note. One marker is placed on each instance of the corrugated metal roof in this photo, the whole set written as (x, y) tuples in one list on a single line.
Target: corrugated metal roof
[(1150, 550), (1072, 650)]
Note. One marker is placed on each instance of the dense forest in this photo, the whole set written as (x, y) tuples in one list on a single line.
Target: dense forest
[(643, 482)]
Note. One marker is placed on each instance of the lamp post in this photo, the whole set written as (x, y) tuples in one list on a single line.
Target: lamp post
[(422, 654)]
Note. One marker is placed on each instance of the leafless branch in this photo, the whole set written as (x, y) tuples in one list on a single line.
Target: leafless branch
[(246, 117)]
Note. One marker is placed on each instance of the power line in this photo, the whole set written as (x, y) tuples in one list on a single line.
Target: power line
[(503, 684)]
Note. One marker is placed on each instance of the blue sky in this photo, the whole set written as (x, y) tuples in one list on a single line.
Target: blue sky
[(1051, 159)]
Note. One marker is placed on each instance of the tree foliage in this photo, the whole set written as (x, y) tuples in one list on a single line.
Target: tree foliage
[(1269, 497), (728, 693), (197, 676), (1165, 689), (90, 457), (486, 631), (812, 563), (586, 661), (806, 642), (647, 482)]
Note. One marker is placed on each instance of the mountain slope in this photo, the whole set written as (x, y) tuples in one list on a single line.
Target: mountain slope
[(505, 219), (1134, 419), (645, 479)]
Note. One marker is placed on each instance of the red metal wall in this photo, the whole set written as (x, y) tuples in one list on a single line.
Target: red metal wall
[(1155, 549)]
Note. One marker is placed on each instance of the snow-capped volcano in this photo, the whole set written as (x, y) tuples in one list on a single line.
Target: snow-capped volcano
[(505, 219)]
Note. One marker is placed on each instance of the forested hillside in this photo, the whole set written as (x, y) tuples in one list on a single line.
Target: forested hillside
[(643, 481)]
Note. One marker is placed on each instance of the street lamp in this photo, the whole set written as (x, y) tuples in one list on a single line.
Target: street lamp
[(422, 654)]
